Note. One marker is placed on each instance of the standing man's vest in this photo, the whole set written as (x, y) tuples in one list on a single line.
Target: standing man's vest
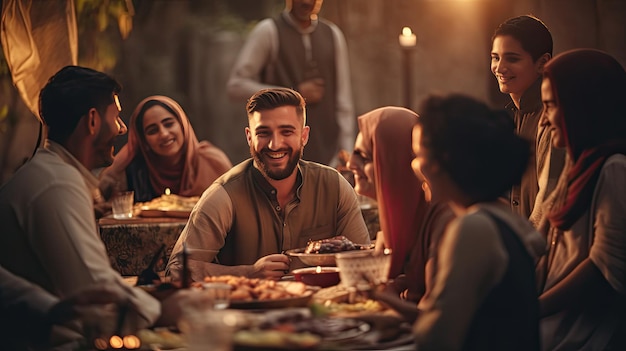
[(292, 68)]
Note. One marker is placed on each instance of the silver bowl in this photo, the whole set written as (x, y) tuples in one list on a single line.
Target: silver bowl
[(320, 259), (312, 259)]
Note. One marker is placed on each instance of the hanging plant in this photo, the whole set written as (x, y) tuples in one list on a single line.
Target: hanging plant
[(101, 25)]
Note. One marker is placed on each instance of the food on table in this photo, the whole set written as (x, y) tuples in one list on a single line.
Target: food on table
[(162, 338), (255, 289), (331, 245), (339, 308), (170, 202), (276, 339)]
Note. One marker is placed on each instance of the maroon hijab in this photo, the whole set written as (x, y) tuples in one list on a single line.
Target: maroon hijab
[(387, 134), (589, 86)]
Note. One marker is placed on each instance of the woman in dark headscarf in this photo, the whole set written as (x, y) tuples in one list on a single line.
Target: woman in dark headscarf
[(583, 277), (381, 163), (163, 153)]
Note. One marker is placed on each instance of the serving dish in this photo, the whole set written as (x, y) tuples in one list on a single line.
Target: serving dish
[(320, 259), (317, 276), (296, 301)]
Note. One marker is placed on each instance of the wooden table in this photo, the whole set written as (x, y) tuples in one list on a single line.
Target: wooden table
[(131, 243)]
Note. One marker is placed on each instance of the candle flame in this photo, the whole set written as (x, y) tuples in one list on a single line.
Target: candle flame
[(132, 342), (116, 342), (406, 31), (167, 191), (318, 269)]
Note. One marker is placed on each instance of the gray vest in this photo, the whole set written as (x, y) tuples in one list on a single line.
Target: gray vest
[(293, 68)]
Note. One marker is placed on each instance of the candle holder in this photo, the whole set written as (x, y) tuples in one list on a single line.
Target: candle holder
[(408, 41)]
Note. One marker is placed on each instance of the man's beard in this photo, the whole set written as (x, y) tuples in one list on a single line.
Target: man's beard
[(103, 149), (278, 174)]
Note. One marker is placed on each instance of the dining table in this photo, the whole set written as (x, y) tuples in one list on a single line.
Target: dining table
[(132, 242), (321, 319)]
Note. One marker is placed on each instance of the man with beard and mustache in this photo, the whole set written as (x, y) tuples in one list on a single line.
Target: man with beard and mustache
[(272, 202), (49, 233), (299, 50)]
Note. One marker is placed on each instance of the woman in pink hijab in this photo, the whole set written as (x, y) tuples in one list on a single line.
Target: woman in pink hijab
[(163, 153), (381, 163)]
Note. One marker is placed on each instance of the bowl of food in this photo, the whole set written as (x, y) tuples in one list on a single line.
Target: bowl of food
[(312, 259), (317, 276), (322, 252)]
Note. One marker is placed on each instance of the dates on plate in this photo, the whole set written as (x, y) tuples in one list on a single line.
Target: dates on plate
[(331, 245)]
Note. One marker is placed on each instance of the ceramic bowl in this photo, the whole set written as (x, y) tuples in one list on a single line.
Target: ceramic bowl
[(317, 276)]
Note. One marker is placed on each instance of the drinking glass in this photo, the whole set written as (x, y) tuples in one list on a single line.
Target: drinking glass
[(122, 205)]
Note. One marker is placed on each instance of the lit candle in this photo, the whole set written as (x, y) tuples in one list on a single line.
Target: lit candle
[(318, 269), (167, 191), (407, 39)]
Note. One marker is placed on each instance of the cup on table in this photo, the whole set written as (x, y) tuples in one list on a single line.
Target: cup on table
[(218, 294), (122, 205), (206, 328)]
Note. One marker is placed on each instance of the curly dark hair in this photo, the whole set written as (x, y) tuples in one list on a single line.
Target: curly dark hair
[(475, 145)]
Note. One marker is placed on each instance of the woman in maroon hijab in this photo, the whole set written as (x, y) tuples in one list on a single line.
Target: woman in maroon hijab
[(583, 277), (163, 153), (381, 163)]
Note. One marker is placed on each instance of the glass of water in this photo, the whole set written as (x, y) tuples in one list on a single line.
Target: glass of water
[(122, 205)]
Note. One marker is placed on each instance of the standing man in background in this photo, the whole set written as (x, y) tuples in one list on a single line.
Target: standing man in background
[(298, 50)]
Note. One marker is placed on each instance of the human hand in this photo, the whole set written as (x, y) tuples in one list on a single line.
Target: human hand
[(312, 90), (70, 307), (379, 245), (102, 209), (270, 267), (172, 306)]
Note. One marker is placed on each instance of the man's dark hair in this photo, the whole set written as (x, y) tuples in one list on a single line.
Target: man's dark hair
[(70, 94), (530, 31), (268, 99)]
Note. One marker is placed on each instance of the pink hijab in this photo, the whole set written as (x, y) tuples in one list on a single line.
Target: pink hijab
[(387, 133), (200, 164)]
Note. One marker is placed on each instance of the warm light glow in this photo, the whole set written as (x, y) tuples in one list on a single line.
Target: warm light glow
[(131, 342), (318, 269), (407, 38), (167, 191), (116, 342), (100, 344), (117, 102)]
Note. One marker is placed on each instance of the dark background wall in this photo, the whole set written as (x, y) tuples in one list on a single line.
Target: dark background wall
[(185, 49)]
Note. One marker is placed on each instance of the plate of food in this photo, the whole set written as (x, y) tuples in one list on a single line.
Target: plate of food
[(322, 252), (255, 293), (168, 205)]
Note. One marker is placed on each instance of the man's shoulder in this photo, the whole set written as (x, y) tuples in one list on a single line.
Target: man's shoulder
[(44, 167), (237, 172), (44, 172)]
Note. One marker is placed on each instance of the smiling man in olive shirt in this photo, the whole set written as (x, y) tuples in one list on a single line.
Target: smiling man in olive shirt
[(272, 202)]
